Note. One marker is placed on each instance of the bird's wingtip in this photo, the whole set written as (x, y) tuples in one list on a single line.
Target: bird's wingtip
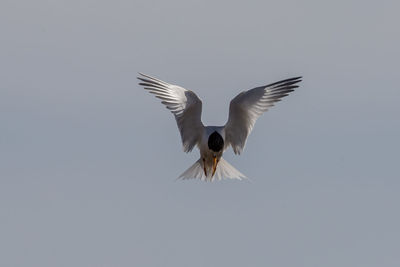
[(298, 78)]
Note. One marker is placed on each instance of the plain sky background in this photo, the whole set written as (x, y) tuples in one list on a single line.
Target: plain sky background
[(88, 159)]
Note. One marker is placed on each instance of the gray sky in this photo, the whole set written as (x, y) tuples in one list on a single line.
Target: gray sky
[(88, 159)]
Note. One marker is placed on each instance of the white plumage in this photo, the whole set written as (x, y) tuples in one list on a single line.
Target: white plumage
[(212, 141)]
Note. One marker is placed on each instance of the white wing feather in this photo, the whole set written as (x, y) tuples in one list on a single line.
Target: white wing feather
[(247, 106), (184, 104)]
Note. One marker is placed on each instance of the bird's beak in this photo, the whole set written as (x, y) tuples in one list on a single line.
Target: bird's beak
[(215, 163)]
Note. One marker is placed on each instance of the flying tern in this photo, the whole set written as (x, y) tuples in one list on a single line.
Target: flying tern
[(212, 141)]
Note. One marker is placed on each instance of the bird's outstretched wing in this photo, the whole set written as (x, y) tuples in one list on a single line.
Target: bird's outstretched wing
[(184, 104), (247, 106)]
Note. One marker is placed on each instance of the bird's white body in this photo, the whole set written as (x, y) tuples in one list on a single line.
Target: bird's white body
[(212, 141), (206, 154)]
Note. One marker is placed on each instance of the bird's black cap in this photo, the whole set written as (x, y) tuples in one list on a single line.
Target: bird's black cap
[(215, 142)]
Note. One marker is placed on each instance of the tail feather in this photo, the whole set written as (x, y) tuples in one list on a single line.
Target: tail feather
[(194, 171), (224, 170)]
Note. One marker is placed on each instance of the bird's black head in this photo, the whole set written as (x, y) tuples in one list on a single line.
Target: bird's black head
[(215, 142)]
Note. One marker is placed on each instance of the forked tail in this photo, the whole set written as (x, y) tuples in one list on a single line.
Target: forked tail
[(224, 170)]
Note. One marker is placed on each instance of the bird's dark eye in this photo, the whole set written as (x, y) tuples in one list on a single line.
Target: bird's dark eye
[(215, 142)]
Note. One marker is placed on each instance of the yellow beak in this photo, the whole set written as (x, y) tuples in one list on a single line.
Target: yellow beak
[(215, 163), (204, 167)]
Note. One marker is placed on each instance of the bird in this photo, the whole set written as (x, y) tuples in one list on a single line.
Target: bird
[(212, 141)]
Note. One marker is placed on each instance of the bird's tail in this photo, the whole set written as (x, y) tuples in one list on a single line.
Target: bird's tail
[(224, 170)]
